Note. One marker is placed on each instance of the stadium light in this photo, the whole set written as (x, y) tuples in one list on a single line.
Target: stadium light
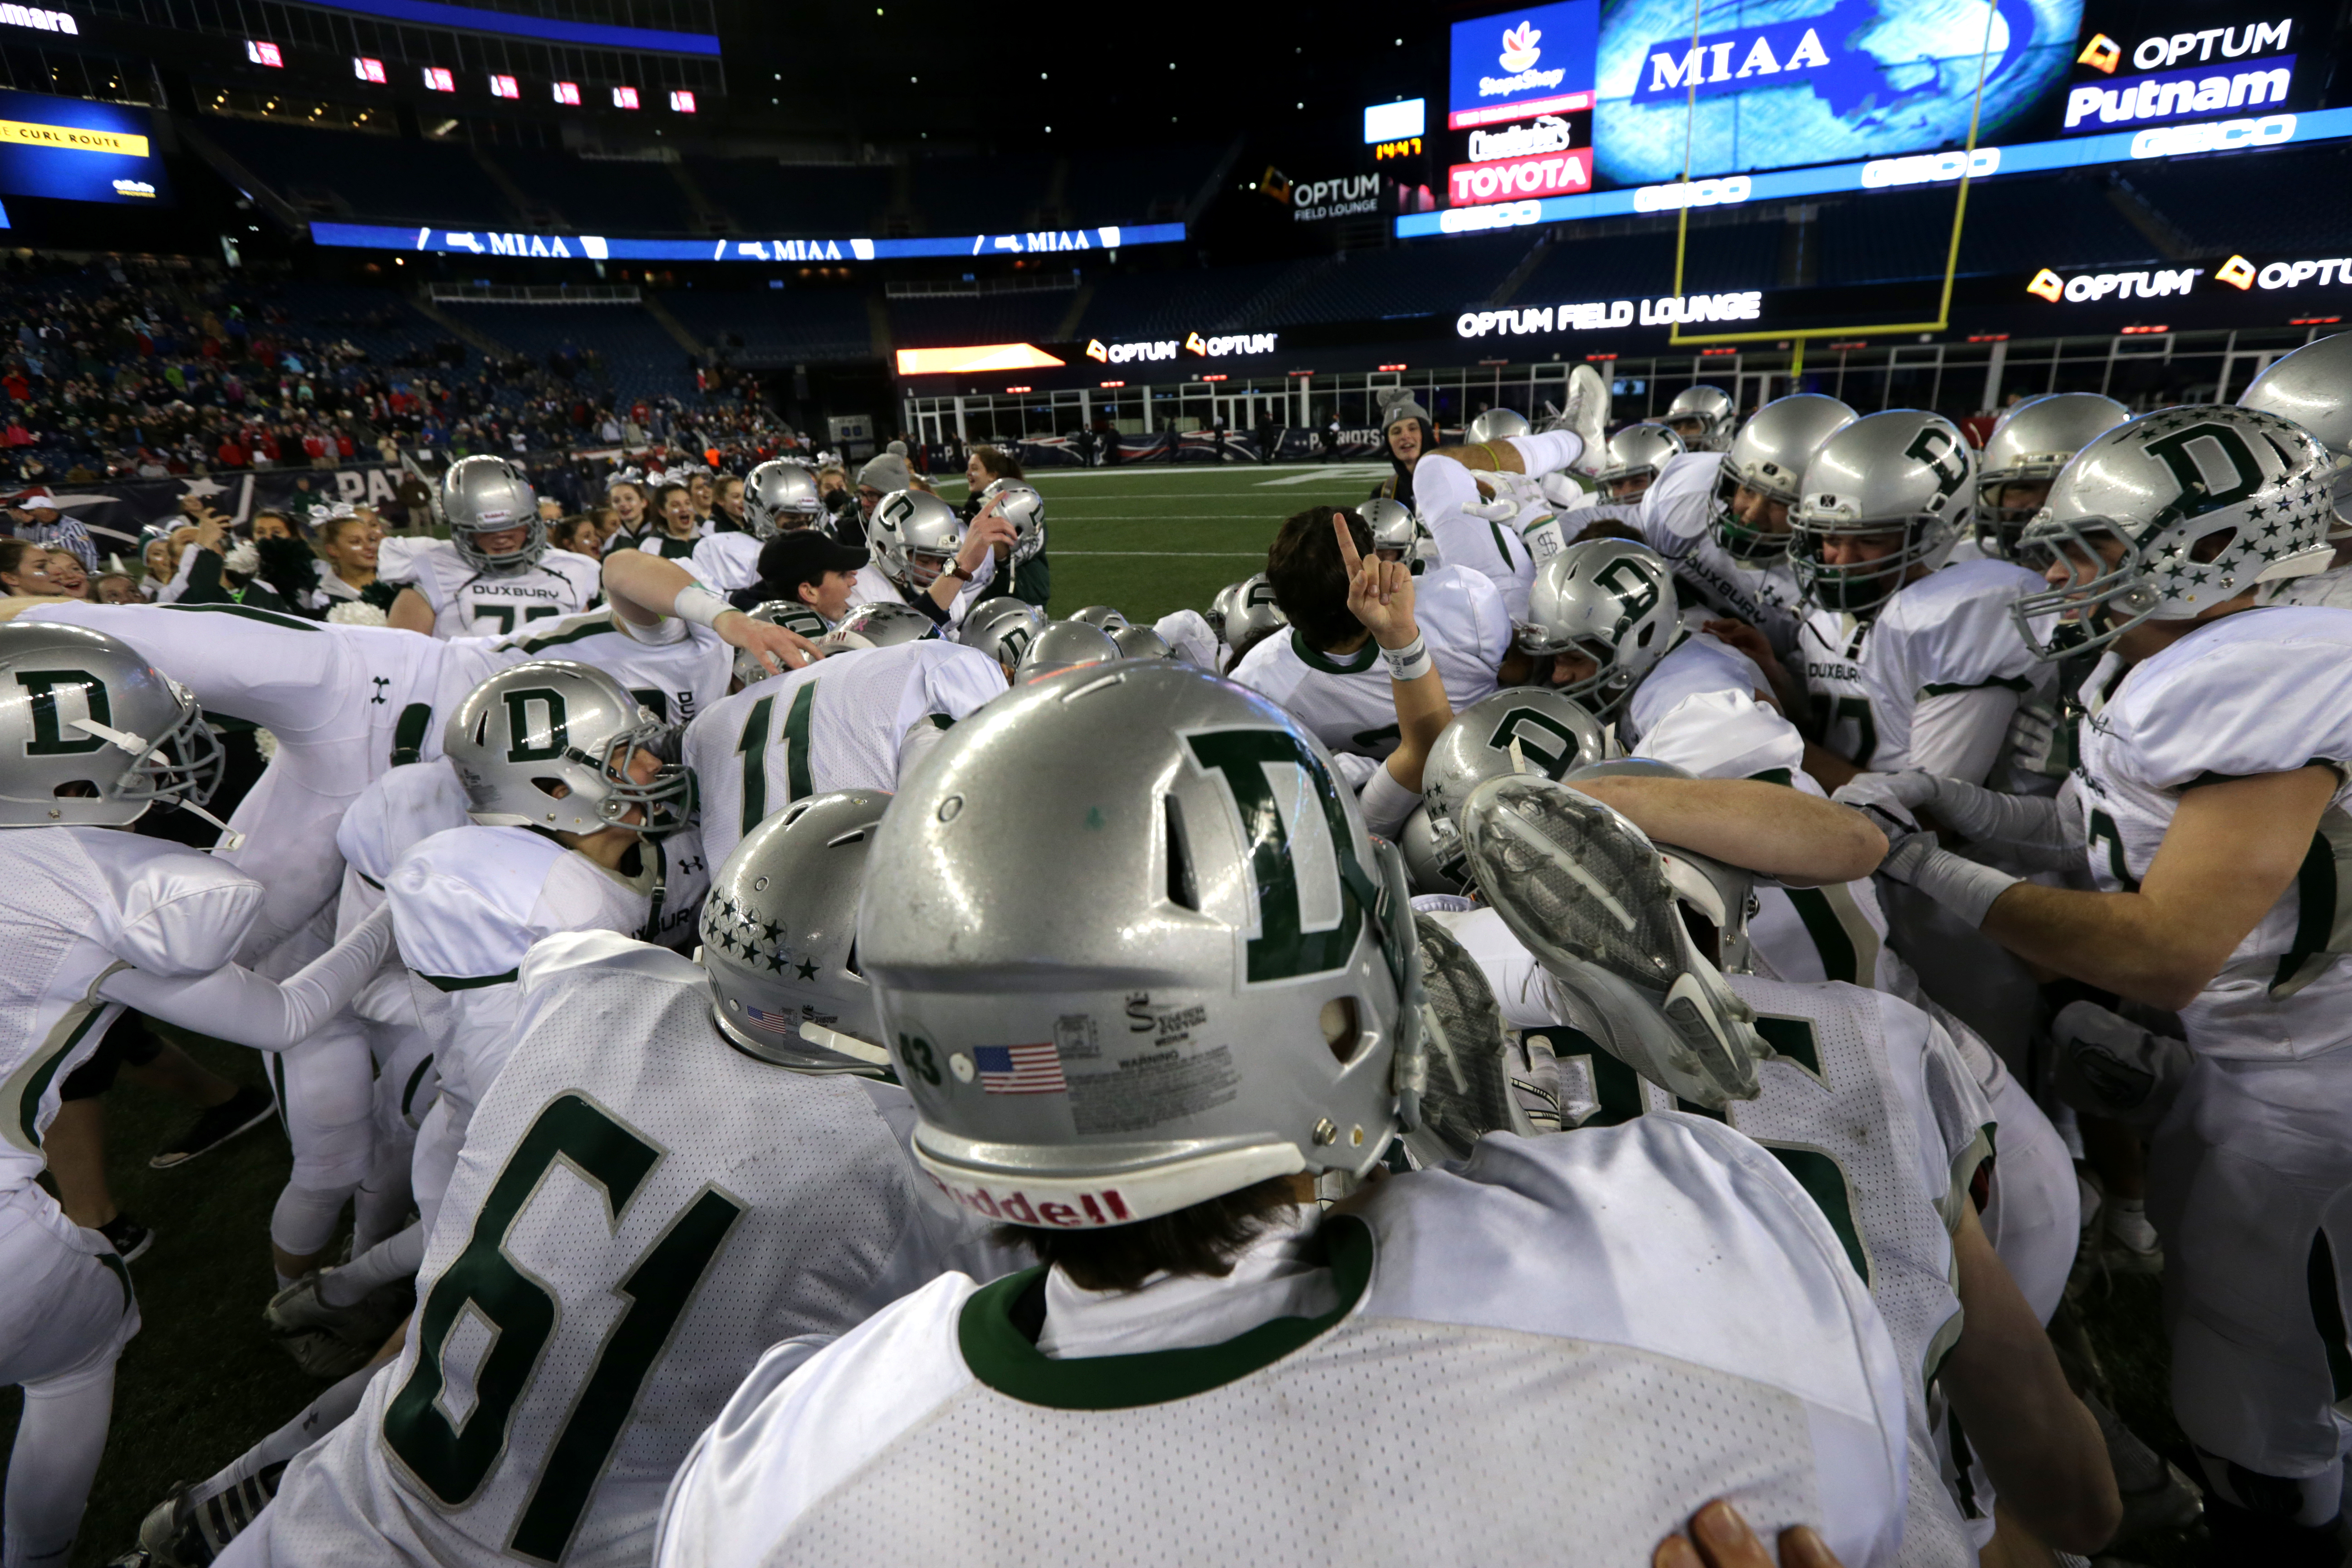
[(625, 97), (367, 70), (568, 93)]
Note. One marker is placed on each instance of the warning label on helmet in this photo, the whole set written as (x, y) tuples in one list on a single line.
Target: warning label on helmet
[(1156, 1087)]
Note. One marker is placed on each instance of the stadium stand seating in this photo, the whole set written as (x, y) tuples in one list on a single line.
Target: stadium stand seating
[(2269, 201), (938, 321), (391, 179), (981, 195), (377, 321), (765, 197), (1135, 184), (602, 196), (784, 326), (641, 360)]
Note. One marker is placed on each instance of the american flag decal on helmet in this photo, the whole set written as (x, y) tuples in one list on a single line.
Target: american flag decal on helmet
[(1020, 1069)]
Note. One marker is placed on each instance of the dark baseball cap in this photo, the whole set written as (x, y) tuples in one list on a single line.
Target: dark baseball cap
[(802, 556)]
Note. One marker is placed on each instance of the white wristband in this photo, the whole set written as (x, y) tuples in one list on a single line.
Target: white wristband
[(1410, 662), (1962, 886), (697, 603)]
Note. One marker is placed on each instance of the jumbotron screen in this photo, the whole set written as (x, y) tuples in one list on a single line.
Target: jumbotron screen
[(1609, 99), (74, 149)]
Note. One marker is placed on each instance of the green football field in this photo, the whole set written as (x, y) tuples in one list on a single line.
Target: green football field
[(1147, 541), (202, 1380)]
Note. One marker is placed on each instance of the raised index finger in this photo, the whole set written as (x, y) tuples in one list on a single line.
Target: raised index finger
[(1347, 555)]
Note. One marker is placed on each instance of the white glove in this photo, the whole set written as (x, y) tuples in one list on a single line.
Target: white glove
[(1889, 797), (2040, 742), (1563, 492), (1502, 508), (1961, 885)]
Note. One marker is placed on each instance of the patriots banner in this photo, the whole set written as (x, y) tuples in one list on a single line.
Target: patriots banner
[(116, 515)]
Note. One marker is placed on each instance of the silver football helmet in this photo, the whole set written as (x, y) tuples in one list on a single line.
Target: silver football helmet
[(793, 614), (1703, 416), (490, 495), (1398, 534), (876, 626), (1103, 616), (777, 496), (915, 536), (556, 745), (1905, 476), (1221, 607), (2029, 444), (1062, 645), (1431, 868), (1612, 601), (1636, 452), (1521, 729), (92, 734), (780, 937), (2312, 386), (2193, 506), (1002, 628), (1141, 642), (1770, 455), (1591, 898), (1253, 614), (1497, 425), (1238, 998), (1024, 509)]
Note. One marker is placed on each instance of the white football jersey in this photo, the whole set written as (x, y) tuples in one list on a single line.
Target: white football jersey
[(470, 603), (851, 721), (1697, 1332), (1698, 664), (1677, 520), (76, 904), (640, 1210), (2261, 691), (1830, 645), (1871, 1107), (1949, 632), (658, 541), (2329, 590), (872, 586), (1441, 488), (726, 562), (677, 668), (1349, 702), (468, 904)]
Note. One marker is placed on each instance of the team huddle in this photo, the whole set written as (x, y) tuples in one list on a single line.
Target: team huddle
[(1621, 975)]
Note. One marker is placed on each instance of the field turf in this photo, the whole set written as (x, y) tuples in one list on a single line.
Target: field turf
[(202, 1380)]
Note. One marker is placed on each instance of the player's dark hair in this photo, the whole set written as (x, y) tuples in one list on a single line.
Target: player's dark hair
[(1610, 528), (1310, 579), (1000, 463), (1204, 1240)]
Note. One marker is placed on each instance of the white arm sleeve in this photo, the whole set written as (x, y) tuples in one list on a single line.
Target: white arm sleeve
[(1958, 734), (236, 1005), (1386, 803), (2034, 826)]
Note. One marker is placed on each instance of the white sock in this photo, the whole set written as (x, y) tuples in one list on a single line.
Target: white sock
[(318, 1417), (2128, 1218), (396, 1256), (58, 1441)]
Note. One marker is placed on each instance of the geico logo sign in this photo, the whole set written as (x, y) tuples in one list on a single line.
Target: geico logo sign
[(2087, 287), (1323, 192), (1667, 310), (1120, 353), (1725, 192), (1930, 168), (1502, 215), (1549, 133), (2214, 136), (1549, 176), (2155, 53)]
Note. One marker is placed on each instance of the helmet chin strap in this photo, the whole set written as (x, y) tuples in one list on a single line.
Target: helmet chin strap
[(139, 747), (847, 1045)]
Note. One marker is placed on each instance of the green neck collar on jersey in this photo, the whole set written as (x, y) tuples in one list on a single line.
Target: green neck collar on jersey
[(1004, 1358), (1355, 663)]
